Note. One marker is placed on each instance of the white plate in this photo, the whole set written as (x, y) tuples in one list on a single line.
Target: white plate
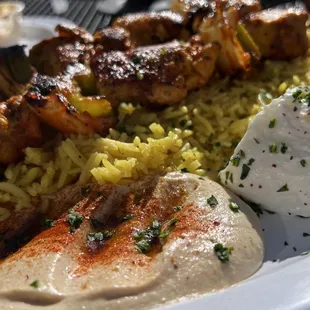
[(36, 29), (282, 284)]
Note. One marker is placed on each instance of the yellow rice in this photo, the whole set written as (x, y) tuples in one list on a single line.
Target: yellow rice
[(198, 136)]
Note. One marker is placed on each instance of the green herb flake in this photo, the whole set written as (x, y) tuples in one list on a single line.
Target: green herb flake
[(47, 223), (143, 246), (297, 94), (272, 123), (251, 161), (273, 148), (184, 170), (237, 158), (136, 60), (177, 208), (140, 75), (303, 163), (284, 188), (95, 237), (74, 219), (283, 148), (234, 207), (241, 185), (212, 201), (245, 171), (163, 51), (35, 284), (222, 252)]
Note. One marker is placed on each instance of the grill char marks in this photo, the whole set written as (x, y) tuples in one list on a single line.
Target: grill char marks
[(160, 74), (153, 28)]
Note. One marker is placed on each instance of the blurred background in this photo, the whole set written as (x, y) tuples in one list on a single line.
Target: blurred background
[(93, 15)]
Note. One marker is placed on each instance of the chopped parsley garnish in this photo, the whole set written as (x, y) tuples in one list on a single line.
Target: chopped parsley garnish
[(241, 185), (47, 223), (143, 246), (85, 190), (136, 60), (74, 219), (184, 170), (251, 161), (284, 188), (95, 240), (163, 51), (273, 148), (212, 201), (35, 284), (144, 238), (303, 163), (297, 93), (237, 158), (302, 97), (223, 252), (234, 207), (245, 171), (283, 148), (140, 75), (95, 236), (272, 123), (217, 144), (177, 208)]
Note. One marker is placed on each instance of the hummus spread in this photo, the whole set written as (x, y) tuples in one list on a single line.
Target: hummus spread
[(172, 237)]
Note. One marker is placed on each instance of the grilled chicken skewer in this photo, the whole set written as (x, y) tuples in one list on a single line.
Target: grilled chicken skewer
[(19, 128), (160, 74), (279, 33)]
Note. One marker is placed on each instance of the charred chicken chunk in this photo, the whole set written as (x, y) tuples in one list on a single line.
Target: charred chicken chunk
[(19, 128), (153, 28), (58, 103), (161, 74), (74, 33), (279, 33), (195, 11), (243, 7), (232, 58), (53, 56), (113, 39)]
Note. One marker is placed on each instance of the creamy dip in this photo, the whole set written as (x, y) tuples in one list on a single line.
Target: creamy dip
[(271, 164), (213, 242)]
